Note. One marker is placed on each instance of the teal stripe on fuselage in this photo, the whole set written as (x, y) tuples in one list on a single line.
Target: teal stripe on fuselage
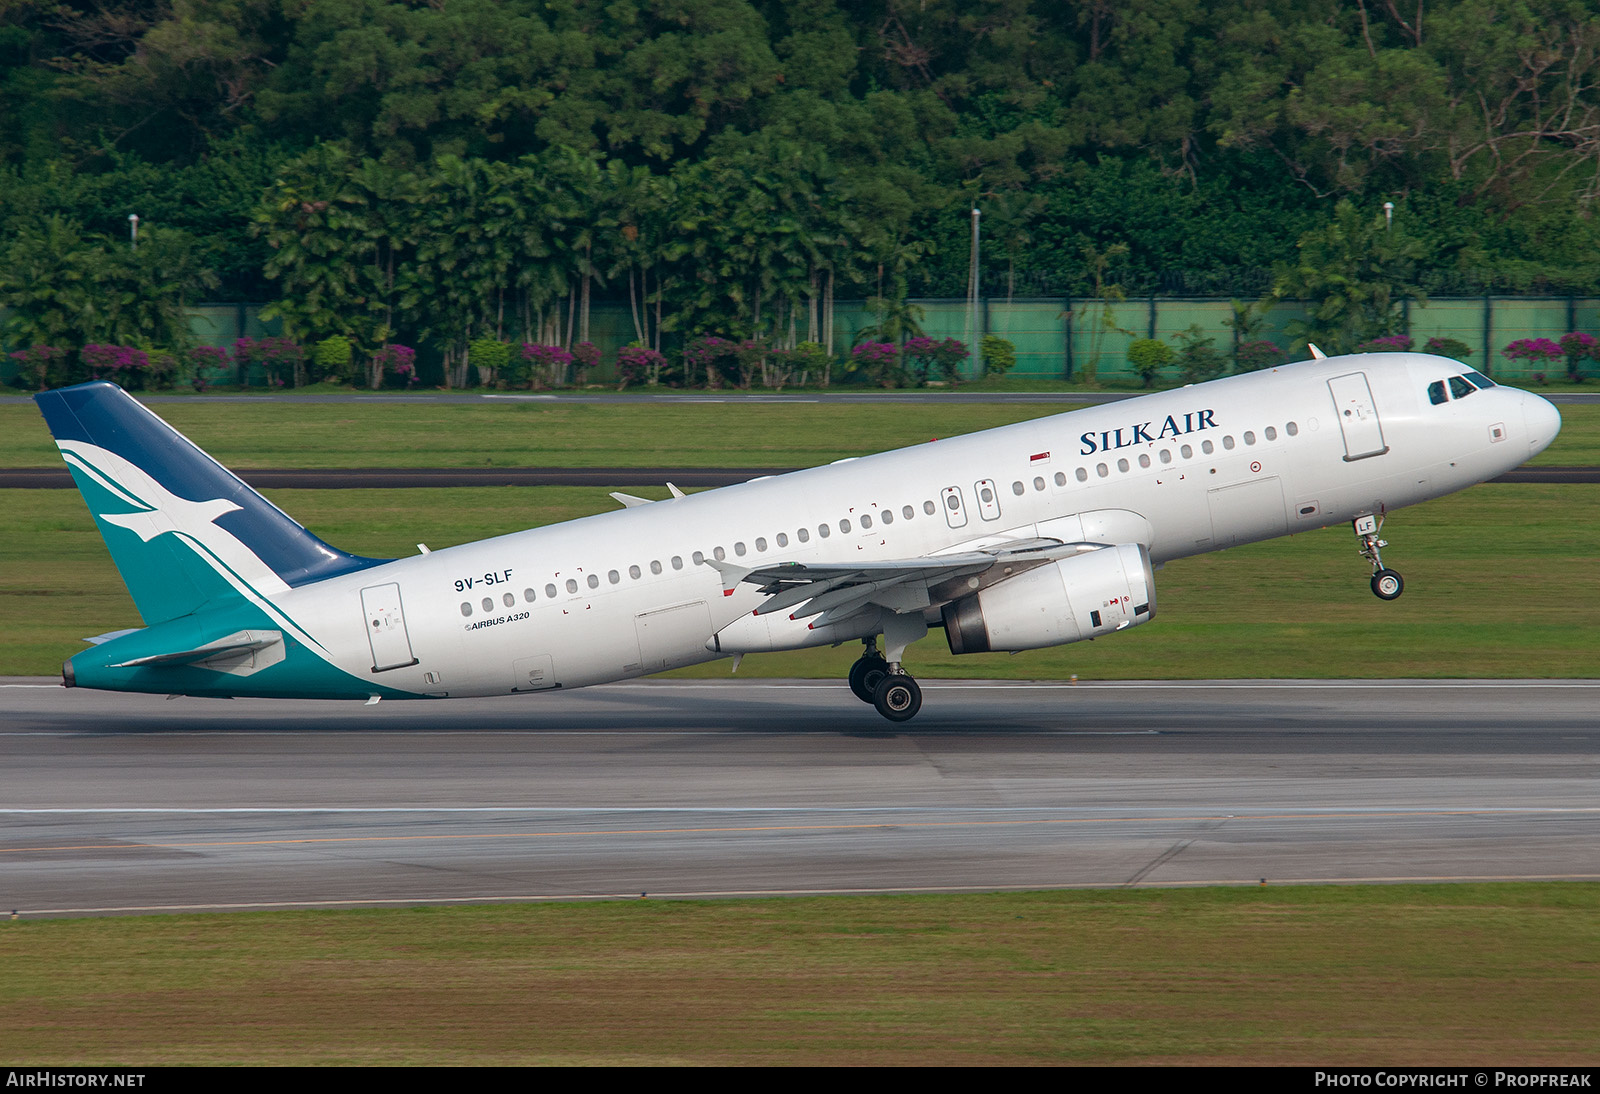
[(301, 673)]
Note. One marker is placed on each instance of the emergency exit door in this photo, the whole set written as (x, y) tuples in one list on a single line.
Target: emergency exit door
[(386, 628)]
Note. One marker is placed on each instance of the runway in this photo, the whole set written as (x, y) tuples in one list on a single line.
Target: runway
[(701, 788)]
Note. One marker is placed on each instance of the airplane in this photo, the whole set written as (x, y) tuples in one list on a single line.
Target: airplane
[(1017, 538)]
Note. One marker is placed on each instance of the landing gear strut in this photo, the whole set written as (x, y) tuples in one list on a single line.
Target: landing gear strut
[(1386, 583), (877, 678)]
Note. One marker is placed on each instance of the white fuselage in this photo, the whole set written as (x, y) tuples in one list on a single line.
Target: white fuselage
[(1197, 469)]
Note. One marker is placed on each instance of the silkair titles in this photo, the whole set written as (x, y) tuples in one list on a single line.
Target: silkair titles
[(1122, 437)]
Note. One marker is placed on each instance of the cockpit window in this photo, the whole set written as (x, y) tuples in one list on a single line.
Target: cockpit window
[(1480, 379), (1459, 388), (1436, 393)]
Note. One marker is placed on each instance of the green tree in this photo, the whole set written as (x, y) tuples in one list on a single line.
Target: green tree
[(1352, 274)]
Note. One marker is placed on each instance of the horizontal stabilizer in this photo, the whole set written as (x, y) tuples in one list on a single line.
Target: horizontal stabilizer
[(239, 642)]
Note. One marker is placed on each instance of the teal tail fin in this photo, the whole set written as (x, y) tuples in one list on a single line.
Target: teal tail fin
[(182, 529)]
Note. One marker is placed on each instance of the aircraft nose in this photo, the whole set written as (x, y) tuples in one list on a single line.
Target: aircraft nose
[(1543, 421)]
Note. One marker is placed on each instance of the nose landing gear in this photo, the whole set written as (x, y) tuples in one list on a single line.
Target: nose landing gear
[(1386, 583)]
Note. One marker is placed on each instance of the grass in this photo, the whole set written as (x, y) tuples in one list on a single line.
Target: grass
[(316, 435), (1469, 975), (1500, 579)]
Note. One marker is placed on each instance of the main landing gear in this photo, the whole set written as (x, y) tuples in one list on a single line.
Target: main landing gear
[(1386, 583), (880, 680)]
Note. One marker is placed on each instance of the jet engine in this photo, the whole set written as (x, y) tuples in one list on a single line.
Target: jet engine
[(1084, 596)]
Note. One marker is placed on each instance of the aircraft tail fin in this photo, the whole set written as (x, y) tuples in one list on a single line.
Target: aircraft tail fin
[(182, 529)]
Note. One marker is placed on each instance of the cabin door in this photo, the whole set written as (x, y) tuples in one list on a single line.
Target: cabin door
[(386, 628), (1358, 416)]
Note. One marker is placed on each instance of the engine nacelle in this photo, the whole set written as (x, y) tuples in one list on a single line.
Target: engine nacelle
[(1084, 596)]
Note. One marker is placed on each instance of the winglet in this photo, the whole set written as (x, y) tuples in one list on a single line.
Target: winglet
[(1316, 354), (628, 500), (675, 491)]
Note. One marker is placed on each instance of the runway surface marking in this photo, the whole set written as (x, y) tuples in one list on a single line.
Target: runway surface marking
[(144, 845), (707, 894)]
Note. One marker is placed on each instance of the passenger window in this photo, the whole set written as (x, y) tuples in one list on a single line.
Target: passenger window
[(594, 581), (1207, 447), (508, 600), (986, 495), (866, 521), (929, 508), (529, 595), (824, 531), (699, 558), (1166, 455), (844, 526), (804, 534), (1292, 429), (1227, 442), (719, 554), (761, 543), (1186, 452), (887, 516), (1038, 484), (783, 539), (635, 573), (572, 584), (677, 562), (1018, 489), (1272, 434), (1102, 470), (1459, 388), (1083, 474), (908, 512), (488, 605), (1144, 460), (1249, 437), (1061, 478), (550, 591), (1122, 465), (613, 577), (1436, 393), (466, 608), (738, 548), (655, 565)]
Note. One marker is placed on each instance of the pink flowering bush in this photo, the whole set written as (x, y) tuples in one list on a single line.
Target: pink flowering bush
[(1576, 348), (638, 365), (930, 357), (707, 356), (585, 356), (397, 361), (123, 365), (546, 365), (1449, 347), (1389, 343), (282, 360), (1534, 349), (880, 361), (41, 367), (1256, 355)]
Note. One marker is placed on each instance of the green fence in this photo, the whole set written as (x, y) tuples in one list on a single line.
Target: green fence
[(1075, 338)]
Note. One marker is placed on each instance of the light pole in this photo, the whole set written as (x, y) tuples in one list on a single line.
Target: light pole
[(133, 230), (1388, 215), (972, 298)]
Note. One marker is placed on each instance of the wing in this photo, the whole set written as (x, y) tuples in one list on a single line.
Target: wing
[(837, 592)]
